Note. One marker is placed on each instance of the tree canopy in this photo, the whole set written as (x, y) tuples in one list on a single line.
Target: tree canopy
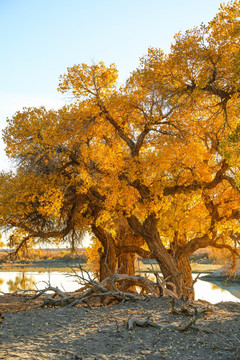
[(150, 167)]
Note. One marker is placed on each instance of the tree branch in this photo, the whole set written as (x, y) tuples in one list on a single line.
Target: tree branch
[(195, 185)]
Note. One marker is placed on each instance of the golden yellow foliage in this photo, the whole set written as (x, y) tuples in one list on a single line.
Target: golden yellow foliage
[(161, 152)]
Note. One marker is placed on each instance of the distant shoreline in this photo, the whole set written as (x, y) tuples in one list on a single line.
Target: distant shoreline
[(66, 265), (42, 265)]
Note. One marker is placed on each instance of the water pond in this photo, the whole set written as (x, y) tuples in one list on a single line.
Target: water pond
[(10, 281)]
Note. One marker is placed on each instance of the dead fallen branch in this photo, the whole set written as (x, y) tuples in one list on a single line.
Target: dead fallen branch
[(109, 288), (185, 309), (56, 290), (158, 288), (197, 313), (144, 283), (188, 309), (134, 321), (194, 313)]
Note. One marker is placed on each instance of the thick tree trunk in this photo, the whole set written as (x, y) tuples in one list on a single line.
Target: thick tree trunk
[(168, 265), (183, 264), (111, 257), (125, 237), (126, 260), (186, 272), (107, 257), (126, 264)]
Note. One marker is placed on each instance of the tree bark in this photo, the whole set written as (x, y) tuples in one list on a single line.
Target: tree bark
[(183, 264), (107, 257), (168, 265), (126, 263), (126, 260), (186, 273), (112, 258)]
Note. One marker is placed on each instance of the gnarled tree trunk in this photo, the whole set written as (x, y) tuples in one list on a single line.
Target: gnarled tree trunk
[(184, 267), (126, 264), (125, 237), (107, 257), (126, 260), (183, 264), (168, 265)]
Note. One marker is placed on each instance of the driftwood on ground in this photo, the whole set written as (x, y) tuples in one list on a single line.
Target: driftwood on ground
[(107, 290), (110, 289), (134, 321), (194, 314)]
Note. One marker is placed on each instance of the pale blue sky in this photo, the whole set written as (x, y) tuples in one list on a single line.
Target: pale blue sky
[(39, 39)]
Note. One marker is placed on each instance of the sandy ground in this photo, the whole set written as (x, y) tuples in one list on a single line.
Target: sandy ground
[(101, 333)]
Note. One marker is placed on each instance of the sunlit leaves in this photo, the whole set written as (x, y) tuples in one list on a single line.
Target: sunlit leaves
[(116, 152), (84, 80)]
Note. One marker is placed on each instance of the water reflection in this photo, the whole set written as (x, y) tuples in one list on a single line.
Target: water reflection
[(21, 281), (232, 287), (11, 281), (214, 291)]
